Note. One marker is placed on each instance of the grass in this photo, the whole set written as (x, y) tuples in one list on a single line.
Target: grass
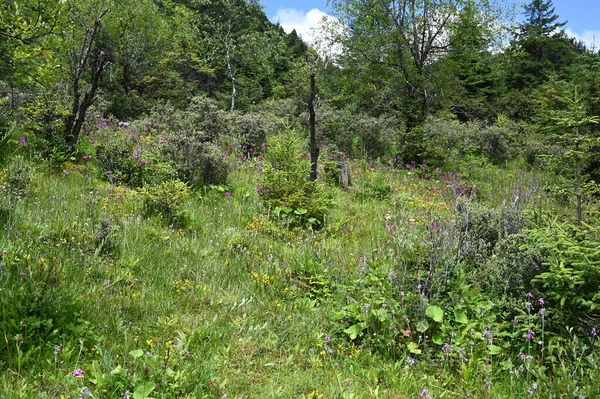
[(231, 303)]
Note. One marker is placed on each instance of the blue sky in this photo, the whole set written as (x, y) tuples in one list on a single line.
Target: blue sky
[(583, 16)]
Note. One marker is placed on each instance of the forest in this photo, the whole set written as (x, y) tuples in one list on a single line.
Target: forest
[(195, 203)]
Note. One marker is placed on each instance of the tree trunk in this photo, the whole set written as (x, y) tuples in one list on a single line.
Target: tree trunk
[(96, 60), (314, 147)]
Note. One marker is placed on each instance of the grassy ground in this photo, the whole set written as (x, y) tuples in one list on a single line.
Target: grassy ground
[(229, 303)]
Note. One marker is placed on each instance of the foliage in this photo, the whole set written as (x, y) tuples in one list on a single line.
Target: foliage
[(570, 275), (195, 160), (285, 189), (165, 198)]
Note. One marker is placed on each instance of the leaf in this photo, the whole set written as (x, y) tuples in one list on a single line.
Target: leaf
[(116, 371), (460, 316), (435, 312), (437, 338), (353, 331), (300, 211), (494, 349), (142, 391), (413, 348), (136, 353), (422, 326)]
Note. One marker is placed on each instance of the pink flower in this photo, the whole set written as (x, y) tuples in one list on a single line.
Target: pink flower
[(227, 195), (78, 373), (22, 141)]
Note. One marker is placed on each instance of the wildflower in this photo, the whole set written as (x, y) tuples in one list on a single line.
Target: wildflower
[(327, 339), (22, 141), (542, 312), (227, 195), (78, 373), (106, 283), (594, 333), (85, 392), (142, 162), (533, 389), (410, 361), (425, 394), (122, 123), (522, 356), (126, 395), (447, 348), (541, 301), (529, 295), (86, 156), (530, 335), (65, 173), (57, 349)]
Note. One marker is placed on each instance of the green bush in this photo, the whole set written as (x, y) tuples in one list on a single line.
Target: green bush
[(357, 134), (126, 159), (571, 272), (201, 117), (194, 160), (285, 189), (166, 199), (251, 129)]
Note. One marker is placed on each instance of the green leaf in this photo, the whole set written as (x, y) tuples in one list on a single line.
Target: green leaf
[(494, 349), (422, 326), (435, 312), (437, 338), (136, 353), (300, 211), (413, 348), (460, 316), (142, 391), (353, 331)]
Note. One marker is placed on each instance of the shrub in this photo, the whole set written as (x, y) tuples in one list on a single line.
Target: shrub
[(165, 198), (285, 189), (252, 129), (194, 160), (126, 159), (202, 117), (357, 134)]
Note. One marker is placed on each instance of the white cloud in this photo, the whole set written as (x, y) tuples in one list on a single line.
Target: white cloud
[(314, 27), (305, 24), (591, 38)]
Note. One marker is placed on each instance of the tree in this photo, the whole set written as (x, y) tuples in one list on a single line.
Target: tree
[(403, 41), (566, 117), (539, 49), (89, 57)]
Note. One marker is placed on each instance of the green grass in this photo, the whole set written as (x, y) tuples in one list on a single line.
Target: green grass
[(230, 302)]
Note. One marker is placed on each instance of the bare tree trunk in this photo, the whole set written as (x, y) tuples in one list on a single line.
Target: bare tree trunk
[(96, 60), (314, 147), (226, 40)]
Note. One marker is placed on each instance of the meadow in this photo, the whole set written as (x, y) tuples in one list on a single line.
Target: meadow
[(121, 279)]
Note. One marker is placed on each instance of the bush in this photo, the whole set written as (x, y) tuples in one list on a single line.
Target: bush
[(126, 159), (202, 117), (252, 129), (285, 189), (194, 160), (165, 198), (357, 134)]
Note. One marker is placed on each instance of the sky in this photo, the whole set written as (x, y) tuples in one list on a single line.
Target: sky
[(583, 16)]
